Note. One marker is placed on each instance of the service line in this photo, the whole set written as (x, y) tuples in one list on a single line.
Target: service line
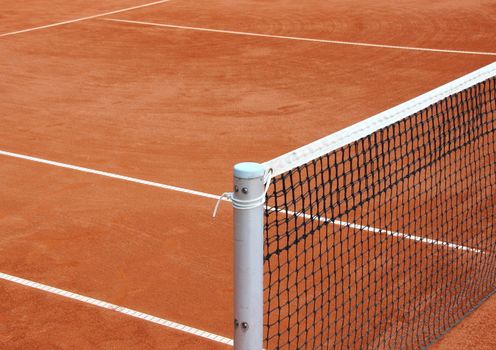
[(123, 310), (337, 42), (84, 18)]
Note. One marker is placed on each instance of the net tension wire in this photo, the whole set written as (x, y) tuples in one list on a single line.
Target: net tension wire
[(245, 204)]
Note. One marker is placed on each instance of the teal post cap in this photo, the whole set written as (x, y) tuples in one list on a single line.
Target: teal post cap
[(249, 170)]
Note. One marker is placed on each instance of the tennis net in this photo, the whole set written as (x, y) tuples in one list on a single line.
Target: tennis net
[(383, 235)]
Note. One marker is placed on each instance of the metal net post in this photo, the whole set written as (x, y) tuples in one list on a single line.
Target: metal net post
[(248, 203)]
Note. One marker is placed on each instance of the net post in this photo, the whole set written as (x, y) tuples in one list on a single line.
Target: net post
[(248, 203)]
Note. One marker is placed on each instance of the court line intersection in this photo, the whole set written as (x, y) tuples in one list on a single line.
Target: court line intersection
[(325, 41), (83, 18)]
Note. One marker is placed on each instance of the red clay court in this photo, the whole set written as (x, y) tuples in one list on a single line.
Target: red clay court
[(122, 120)]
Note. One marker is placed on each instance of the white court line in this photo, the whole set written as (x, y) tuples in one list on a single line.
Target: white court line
[(381, 231), (217, 197), (352, 43), (84, 18), (107, 174), (117, 308)]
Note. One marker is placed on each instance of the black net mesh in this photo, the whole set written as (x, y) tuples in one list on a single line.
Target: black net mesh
[(389, 241)]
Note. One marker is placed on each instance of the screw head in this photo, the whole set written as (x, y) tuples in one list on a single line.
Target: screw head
[(245, 325), (244, 190), (236, 189)]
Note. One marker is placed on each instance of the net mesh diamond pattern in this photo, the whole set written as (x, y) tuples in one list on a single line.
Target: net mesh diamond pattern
[(388, 241)]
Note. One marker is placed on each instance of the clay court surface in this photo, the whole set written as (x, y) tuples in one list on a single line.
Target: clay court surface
[(171, 94)]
